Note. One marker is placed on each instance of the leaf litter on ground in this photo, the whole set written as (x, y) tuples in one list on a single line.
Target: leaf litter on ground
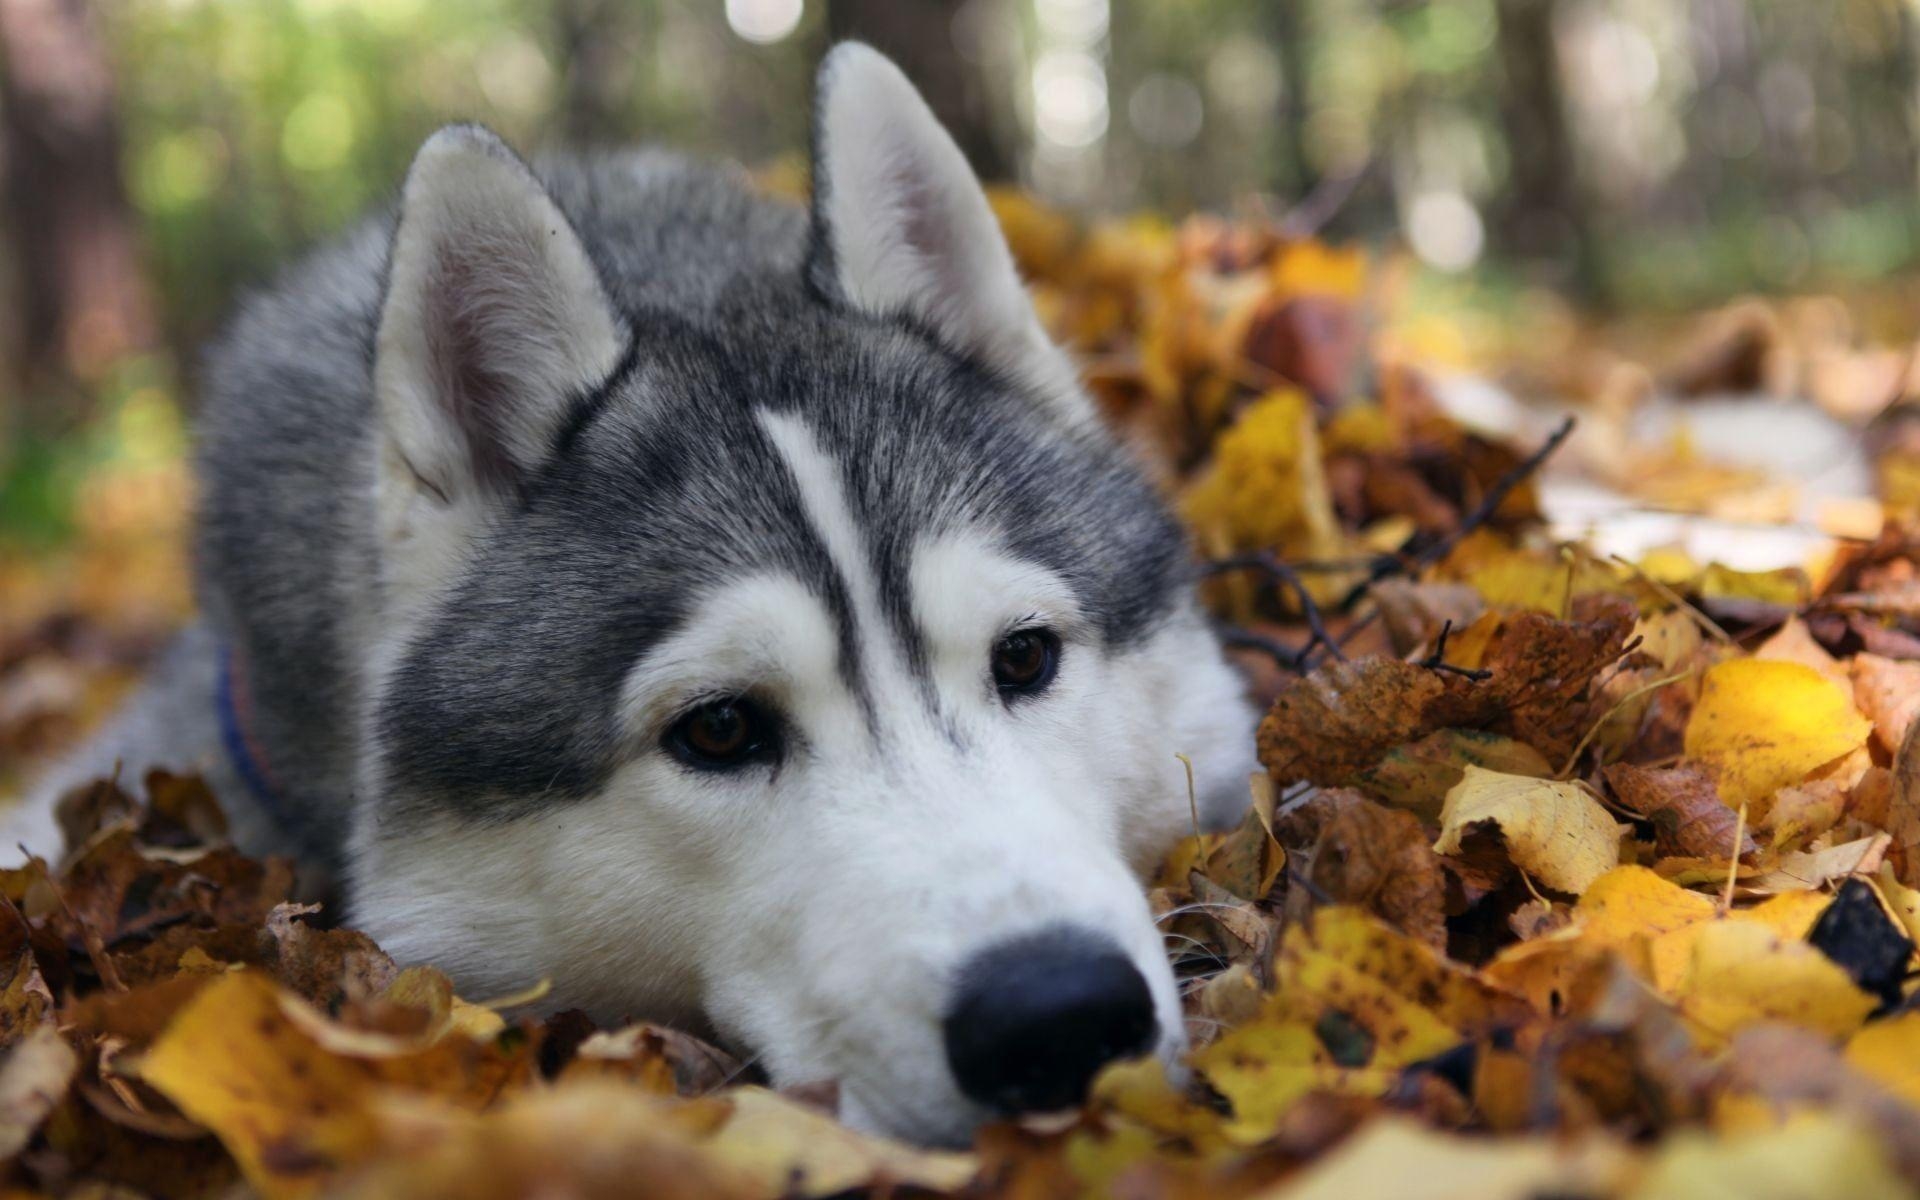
[(1565, 874)]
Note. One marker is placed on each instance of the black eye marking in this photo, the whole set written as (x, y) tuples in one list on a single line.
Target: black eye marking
[(1025, 662), (724, 735)]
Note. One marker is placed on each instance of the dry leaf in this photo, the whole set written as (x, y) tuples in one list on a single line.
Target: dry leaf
[(1767, 725), (1684, 808), (1555, 832)]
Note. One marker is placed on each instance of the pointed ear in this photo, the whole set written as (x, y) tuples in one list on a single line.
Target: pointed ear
[(900, 225), (494, 321)]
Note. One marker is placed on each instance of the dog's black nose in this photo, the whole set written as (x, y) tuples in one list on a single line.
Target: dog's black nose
[(1035, 1019)]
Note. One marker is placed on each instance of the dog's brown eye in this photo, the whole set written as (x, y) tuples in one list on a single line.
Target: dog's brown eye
[(721, 734), (1025, 660)]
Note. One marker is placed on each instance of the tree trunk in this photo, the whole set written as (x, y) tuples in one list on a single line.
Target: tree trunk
[(81, 294), (918, 35), (596, 55), (1547, 215), (1294, 177)]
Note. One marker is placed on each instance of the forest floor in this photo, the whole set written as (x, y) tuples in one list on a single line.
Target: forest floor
[(1586, 860)]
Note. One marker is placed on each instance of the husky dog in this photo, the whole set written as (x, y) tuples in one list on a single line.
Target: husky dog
[(734, 613)]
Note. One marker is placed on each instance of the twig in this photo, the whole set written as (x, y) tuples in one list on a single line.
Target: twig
[(1733, 858), (1233, 637), (1278, 570), (1629, 698), (1437, 660), (90, 938), (1480, 514)]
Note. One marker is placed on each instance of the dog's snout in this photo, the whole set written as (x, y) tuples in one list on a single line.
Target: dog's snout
[(1035, 1019)]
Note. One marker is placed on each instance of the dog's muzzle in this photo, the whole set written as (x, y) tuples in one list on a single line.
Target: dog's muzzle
[(1033, 1020)]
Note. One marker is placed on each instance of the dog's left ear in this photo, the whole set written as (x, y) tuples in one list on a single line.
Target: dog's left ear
[(901, 226)]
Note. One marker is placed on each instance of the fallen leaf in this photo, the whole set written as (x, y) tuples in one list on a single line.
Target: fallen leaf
[(1888, 692), (291, 1114), (1556, 832), (793, 1150), (595, 1140), (1354, 1000), (1362, 853), (1684, 808), (1810, 1155), (1766, 725), (33, 1080), (1743, 973), (1402, 1159), (1857, 933), (1889, 1051)]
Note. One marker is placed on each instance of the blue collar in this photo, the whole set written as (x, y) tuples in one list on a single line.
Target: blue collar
[(234, 705)]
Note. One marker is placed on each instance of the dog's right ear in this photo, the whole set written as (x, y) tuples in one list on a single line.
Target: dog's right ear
[(494, 322)]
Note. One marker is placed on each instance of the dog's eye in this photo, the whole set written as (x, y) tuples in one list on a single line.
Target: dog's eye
[(1024, 661), (721, 734)]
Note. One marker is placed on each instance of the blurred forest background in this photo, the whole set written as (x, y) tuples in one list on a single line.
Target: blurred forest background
[(1632, 155)]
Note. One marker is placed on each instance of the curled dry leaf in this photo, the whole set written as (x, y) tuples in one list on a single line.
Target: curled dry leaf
[(1555, 832), (1684, 808)]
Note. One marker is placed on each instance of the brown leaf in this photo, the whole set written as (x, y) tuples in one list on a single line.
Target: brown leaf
[(1684, 808), (1888, 692), (1363, 853), (1333, 724), (324, 966), (1418, 775)]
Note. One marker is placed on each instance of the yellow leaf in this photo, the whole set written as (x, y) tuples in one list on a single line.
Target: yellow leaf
[(1555, 832), (1742, 972), (1266, 488), (1765, 725), (588, 1138), (797, 1151), (1813, 1154), (289, 1112), (1789, 915), (1400, 1158), (1354, 1001), (1633, 901), (1889, 1051), (1787, 587), (1622, 912), (1313, 268)]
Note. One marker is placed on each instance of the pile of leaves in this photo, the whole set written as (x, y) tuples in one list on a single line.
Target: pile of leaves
[(1566, 875)]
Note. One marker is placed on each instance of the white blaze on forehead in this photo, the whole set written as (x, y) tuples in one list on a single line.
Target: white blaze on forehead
[(766, 632), (824, 498)]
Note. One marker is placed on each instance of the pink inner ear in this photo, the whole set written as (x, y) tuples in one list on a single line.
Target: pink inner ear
[(486, 307), (926, 227)]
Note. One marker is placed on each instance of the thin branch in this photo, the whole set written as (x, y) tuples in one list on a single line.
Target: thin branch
[(1437, 661), (1279, 571), (1481, 513)]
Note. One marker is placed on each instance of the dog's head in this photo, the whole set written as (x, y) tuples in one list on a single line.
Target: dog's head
[(799, 656)]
